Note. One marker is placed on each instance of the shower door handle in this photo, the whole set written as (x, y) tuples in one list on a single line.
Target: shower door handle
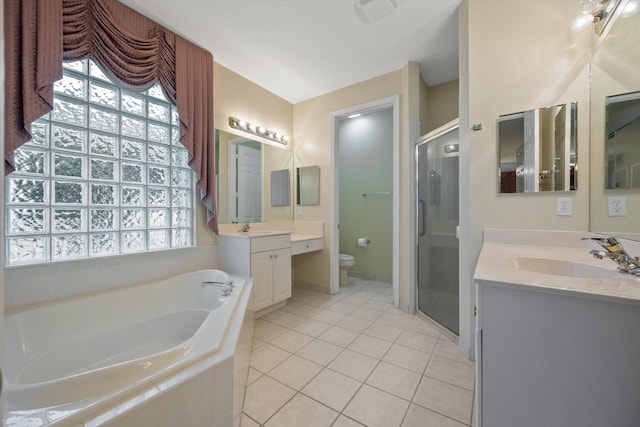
[(423, 220)]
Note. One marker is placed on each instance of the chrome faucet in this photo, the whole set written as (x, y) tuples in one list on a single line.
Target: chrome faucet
[(245, 227), (227, 287), (614, 250)]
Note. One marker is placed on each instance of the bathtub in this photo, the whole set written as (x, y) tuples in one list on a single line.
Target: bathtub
[(78, 357)]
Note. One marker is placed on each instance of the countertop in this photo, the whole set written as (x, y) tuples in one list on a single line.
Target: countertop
[(253, 233), (295, 237), (496, 264)]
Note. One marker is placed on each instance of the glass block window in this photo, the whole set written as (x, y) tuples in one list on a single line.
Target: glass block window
[(104, 174)]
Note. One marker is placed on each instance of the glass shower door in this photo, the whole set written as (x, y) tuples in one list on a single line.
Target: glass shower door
[(437, 221)]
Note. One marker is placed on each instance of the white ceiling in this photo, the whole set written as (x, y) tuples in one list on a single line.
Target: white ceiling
[(299, 49)]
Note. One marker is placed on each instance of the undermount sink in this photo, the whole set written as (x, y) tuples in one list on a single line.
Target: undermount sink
[(564, 268)]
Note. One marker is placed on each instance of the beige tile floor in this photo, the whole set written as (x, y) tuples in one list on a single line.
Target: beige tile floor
[(351, 360)]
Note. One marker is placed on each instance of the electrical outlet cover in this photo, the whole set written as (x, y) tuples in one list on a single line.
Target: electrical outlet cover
[(564, 206), (617, 206)]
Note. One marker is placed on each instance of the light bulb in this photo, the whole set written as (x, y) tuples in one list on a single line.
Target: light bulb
[(589, 6), (581, 22), (631, 8), (242, 124)]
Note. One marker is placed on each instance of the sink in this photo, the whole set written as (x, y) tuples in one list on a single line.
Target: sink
[(558, 267)]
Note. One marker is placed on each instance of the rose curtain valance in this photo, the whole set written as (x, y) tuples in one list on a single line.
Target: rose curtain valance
[(133, 50)]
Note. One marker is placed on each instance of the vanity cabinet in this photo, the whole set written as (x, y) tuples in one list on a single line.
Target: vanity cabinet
[(265, 258), (305, 245), (271, 271), (549, 357)]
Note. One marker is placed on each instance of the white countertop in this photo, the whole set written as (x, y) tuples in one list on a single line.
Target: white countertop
[(496, 264), (253, 233), (297, 237)]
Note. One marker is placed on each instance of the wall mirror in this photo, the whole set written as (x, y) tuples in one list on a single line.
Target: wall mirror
[(537, 150), (244, 187), (308, 185), (615, 139), (280, 187), (622, 140)]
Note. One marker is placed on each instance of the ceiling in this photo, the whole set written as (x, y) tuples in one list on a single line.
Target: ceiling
[(300, 49)]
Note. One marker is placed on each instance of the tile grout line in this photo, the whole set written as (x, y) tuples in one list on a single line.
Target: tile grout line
[(322, 306)]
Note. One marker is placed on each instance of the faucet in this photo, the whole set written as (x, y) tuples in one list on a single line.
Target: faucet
[(614, 250), (245, 227), (227, 287)]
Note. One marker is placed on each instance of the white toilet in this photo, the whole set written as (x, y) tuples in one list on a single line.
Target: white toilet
[(345, 262)]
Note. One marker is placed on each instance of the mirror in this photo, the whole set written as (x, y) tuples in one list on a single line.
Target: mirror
[(244, 179), (308, 185), (615, 135), (622, 130), (280, 187), (537, 150)]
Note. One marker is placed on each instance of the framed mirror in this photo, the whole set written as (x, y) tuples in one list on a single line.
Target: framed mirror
[(308, 185), (537, 150), (244, 187)]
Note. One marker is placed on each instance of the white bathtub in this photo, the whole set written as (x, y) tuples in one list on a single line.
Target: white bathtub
[(105, 347)]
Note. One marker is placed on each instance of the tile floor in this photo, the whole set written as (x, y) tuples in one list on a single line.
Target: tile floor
[(352, 359)]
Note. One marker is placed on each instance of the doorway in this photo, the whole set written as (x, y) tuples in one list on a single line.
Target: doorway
[(437, 216), (245, 181), (390, 193), (365, 146)]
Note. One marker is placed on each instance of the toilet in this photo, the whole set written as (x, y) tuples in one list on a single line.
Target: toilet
[(345, 262)]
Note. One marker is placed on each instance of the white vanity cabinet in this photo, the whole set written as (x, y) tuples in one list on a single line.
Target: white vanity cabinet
[(549, 357), (266, 258), (304, 244)]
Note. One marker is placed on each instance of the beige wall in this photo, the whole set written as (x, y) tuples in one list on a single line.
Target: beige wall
[(238, 97), (312, 139), (423, 100), (441, 106), (615, 70), (521, 55)]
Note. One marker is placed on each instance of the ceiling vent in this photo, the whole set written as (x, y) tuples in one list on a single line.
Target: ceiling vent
[(372, 10)]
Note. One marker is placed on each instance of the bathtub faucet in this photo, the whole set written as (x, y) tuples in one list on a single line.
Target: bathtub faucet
[(614, 251), (227, 287)]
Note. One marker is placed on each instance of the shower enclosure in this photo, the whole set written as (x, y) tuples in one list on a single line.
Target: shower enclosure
[(437, 221)]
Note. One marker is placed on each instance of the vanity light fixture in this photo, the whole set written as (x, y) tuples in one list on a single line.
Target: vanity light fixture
[(597, 12), (258, 130)]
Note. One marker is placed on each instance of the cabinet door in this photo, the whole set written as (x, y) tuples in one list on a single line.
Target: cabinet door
[(261, 271), (281, 274)]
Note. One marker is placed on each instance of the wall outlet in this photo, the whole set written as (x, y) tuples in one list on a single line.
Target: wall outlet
[(564, 206), (617, 206)]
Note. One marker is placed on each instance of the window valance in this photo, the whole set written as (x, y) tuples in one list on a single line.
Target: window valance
[(131, 48)]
